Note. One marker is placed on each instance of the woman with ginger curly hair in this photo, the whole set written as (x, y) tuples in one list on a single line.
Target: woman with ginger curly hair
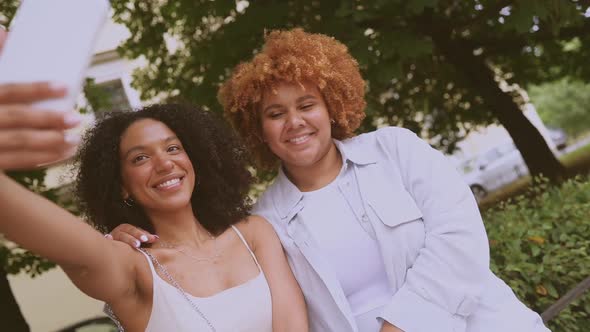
[(380, 231), (215, 268)]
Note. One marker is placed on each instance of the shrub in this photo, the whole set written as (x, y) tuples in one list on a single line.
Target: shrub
[(540, 245)]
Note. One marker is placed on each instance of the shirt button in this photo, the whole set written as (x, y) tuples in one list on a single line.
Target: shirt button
[(365, 218)]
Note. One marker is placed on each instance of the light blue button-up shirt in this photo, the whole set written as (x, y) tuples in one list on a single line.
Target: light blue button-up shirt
[(430, 233)]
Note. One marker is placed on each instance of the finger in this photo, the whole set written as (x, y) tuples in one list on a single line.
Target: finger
[(128, 239), (137, 232), (152, 238), (122, 231), (27, 160), (37, 140), (25, 116), (30, 92)]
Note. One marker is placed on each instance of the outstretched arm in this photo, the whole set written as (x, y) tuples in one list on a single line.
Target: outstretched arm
[(90, 260)]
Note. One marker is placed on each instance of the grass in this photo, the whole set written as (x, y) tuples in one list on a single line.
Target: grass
[(577, 162)]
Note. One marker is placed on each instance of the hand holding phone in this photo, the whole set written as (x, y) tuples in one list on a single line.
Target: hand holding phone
[(52, 41), (31, 137)]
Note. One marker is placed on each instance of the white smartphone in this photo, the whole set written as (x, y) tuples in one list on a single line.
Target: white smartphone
[(52, 40)]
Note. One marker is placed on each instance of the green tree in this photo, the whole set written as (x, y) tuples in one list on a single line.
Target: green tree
[(563, 104), (439, 67)]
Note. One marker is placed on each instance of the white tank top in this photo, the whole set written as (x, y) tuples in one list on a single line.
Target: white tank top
[(246, 307)]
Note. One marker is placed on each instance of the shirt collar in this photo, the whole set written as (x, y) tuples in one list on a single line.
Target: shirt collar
[(287, 195), (355, 151)]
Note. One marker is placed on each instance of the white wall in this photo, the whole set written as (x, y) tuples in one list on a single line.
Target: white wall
[(50, 301)]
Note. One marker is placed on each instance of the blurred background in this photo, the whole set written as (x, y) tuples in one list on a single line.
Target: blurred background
[(501, 86)]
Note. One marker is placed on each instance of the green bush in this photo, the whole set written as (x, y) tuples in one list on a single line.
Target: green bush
[(540, 245)]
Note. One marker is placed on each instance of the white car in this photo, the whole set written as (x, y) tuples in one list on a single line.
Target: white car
[(493, 169)]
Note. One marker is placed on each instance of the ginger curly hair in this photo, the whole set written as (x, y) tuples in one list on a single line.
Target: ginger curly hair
[(294, 56)]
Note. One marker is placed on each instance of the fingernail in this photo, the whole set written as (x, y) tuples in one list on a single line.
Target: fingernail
[(72, 118), (143, 238), (137, 244), (157, 237), (72, 138), (108, 236)]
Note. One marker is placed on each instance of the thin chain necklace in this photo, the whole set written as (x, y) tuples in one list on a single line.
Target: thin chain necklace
[(210, 259)]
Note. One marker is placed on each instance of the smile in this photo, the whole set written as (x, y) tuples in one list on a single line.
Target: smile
[(169, 184), (299, 139)]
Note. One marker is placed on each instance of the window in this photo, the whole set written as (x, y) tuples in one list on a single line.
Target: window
[(107, 96)]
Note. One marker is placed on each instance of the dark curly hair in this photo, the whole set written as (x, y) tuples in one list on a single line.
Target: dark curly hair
[(220, 198), (294, 56)]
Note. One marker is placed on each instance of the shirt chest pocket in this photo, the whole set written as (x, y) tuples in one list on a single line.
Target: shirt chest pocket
[(399, 220), (394, 207)]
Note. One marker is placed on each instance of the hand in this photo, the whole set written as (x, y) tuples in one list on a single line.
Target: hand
[(387, 327), (31, 137), (131, 235)]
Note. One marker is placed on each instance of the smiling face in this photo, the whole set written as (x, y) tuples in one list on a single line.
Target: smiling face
[(156, 171), (296, 124)]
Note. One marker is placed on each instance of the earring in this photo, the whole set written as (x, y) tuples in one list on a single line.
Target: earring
[(129, 201), (332, 121)]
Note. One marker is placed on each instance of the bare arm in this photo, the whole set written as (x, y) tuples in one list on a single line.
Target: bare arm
[(90, 260), (289, 312)]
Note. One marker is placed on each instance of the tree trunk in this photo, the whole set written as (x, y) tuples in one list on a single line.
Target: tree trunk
[(535, 151), (11, 318)]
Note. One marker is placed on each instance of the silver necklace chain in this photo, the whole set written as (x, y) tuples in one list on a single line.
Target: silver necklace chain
[(216, 252), (182, 292)]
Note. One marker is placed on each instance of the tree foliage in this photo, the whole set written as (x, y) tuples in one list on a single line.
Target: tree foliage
[(540, 245), (564, 103), (439, 67)]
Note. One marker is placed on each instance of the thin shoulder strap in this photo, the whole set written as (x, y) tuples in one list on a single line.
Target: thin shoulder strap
[(247, 246), (148, 256)]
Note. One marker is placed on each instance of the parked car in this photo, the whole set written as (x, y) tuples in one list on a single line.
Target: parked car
[(97, 324), (493, 169)]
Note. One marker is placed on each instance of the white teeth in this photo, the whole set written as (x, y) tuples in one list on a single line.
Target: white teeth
[(169, 183), (300, 139)]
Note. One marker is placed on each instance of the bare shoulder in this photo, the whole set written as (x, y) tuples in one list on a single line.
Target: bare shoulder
[(257, 230), (139, 268)]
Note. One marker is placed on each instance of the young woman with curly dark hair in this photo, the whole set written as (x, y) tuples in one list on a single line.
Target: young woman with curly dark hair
[(380, 230), (181, 174)]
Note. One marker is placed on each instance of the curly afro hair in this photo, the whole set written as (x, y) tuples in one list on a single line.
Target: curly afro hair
[(220, 198), (294, 56)]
